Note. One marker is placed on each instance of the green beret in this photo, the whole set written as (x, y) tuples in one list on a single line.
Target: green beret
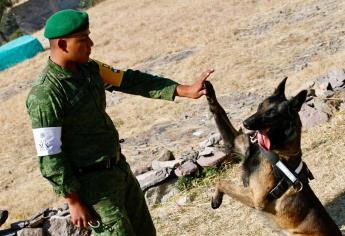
[(66, 22)]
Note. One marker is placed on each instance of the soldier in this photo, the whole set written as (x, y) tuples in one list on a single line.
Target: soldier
[(3, 216), (76, 141)]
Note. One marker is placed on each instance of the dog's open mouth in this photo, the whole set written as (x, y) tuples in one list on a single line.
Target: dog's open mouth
[(263, 139)]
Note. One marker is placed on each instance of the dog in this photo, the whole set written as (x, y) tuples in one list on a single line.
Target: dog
[(275, 179)]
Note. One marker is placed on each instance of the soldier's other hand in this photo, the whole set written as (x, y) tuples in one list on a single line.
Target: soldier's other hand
[(80, 215), (195, 90)]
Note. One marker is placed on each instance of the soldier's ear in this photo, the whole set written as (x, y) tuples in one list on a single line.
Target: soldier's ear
[(62, 44), (297, 101), (280, 90)]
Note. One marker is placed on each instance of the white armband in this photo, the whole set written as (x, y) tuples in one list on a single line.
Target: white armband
[(47, 140)]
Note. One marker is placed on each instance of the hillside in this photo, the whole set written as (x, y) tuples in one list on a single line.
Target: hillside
[(251, 44)]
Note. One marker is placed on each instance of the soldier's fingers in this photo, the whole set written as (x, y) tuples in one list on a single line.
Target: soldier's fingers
[(206, 74), (77, 223), (86, 223), (202, 92), (74, 221)]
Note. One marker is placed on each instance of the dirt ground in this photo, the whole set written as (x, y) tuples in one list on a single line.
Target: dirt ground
[(251, 44)]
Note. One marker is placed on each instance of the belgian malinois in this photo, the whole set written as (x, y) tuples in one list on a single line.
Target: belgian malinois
[(275, 179)]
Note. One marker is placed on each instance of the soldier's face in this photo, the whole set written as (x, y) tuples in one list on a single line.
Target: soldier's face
[(79, 46)]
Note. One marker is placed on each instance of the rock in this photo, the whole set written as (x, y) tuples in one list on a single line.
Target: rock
[(190, 155), (212, 140), (186, 168), (166, 155), (212, 161), (153, 177), (328, 93), (311, 117), (336, 78), (62, 226), (63, 210), (215, 138), (63, 207), (161, 193), (38, 219), (30, 232), (156, 165), (198, 133), (326, 84), (141, 170), (320, 105), (207, 151)]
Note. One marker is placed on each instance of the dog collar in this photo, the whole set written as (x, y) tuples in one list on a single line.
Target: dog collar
[(276, 162)]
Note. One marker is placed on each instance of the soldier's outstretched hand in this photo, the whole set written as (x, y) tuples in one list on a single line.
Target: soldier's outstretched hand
[(195, 90)]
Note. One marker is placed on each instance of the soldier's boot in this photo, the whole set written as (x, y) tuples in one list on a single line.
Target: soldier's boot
[(3, 216)]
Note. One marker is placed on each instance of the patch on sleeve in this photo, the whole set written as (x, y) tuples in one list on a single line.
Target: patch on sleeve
[(47, 140), (110, 75)]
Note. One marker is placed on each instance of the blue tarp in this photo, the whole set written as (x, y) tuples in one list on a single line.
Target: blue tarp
[(19, 50)]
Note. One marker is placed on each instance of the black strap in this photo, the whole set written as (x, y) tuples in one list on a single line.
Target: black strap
[(284, 183), (100, 166)]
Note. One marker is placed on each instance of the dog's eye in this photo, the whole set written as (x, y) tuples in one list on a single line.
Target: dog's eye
[(271, 112)]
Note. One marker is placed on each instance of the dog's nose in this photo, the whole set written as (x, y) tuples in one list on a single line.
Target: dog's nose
[(246, 124)]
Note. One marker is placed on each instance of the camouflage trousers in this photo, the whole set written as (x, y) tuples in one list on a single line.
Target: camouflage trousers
[(117, 202)]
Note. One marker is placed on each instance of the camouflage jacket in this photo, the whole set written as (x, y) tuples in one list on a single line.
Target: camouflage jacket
[(70, 125)]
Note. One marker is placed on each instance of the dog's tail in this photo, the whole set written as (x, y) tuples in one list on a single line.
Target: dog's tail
[(226, 129)]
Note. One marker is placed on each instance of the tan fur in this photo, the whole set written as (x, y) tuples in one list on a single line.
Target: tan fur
[(297, 211)]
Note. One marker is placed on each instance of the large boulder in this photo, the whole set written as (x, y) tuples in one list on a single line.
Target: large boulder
[(153, 177), (326, 84), (212, 161), (166, 155), (187, 168), (161, 193), (156, 165), (311, 117), (30, 232), (62, 226)]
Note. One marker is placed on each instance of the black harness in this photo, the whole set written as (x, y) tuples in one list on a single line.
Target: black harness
[(285, 175)]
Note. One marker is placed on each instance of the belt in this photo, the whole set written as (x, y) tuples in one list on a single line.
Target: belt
[(100, 166)]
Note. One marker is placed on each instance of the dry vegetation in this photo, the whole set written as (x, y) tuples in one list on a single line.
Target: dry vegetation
[(251, 44)]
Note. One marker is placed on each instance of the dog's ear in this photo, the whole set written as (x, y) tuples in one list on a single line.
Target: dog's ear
[(297, 101), (280, 90)]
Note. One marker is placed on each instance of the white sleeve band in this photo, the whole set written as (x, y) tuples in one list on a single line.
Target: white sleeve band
[(47, 140)]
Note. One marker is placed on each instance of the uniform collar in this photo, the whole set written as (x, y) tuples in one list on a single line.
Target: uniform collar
[(61, 73)]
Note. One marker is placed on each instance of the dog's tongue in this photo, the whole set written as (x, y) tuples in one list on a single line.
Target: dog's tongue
[(263, 139)]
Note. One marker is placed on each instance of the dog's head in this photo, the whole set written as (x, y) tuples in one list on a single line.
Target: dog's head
[(277, 118)]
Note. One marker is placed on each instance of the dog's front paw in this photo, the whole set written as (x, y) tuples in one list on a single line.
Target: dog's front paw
[(217, 200), (210, 93)]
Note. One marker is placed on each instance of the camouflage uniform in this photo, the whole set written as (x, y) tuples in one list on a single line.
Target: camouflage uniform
[(75, 103)]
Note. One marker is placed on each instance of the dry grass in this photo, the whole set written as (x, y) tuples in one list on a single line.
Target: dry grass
[(251, 45)]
